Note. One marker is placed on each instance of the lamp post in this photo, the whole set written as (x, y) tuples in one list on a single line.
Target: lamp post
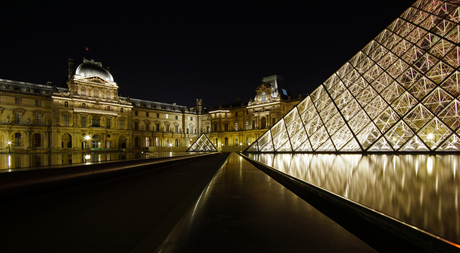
[(9, 146), (87, 138)]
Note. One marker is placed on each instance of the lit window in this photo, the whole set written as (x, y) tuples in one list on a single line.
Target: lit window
[(166, 115), (247, 125), (66, 120), (17, 118), (38, 119), (236, 126), (263, 96)]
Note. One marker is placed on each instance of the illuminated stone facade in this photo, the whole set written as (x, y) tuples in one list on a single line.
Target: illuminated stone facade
[(400, 93), (89, 114)]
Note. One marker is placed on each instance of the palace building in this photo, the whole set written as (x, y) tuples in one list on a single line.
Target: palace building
[(89, 114)]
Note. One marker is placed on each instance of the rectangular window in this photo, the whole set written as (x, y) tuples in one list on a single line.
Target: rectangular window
[(226, 127), (166, 115), (236, 114), (253, 124), (17, 118), (176, 128), (135, 113), (136, 125), (236, 126), (122, 124), (17, 100), (66, 120), (274, 121), (96, 122), (158, 115), (147, 114), (38, 119), (83, 121), (107, 123), (177, 117), (247, 125), (157, 127), (167, 128), (37, 102), (191, 118)]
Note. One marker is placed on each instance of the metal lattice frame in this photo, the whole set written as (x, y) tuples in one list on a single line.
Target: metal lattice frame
[(399, 93), (202, 144)]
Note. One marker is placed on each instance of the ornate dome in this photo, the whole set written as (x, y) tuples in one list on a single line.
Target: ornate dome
[(91, 68)]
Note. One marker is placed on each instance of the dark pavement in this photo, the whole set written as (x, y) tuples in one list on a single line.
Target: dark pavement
[(129, 213)]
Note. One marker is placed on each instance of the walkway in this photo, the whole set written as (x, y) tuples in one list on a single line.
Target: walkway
[(244, 210)]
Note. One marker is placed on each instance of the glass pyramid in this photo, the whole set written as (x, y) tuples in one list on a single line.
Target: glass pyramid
[(399, 93), (202, 144)]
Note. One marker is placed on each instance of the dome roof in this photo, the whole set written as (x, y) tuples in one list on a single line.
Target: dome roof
[(90, 68)]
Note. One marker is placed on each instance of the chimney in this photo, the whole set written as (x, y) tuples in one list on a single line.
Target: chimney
[(70, 69)]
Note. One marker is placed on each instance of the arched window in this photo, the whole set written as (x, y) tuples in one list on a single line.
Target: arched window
[(263, 123), (66, 141), (96, 141), (83, 105), (264, 96), (66, 104), (17, 139)]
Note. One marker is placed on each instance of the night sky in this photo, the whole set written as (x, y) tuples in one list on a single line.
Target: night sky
[(172, 52)]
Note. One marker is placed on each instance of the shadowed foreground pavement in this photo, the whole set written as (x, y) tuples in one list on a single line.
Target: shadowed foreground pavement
[(113, 215)]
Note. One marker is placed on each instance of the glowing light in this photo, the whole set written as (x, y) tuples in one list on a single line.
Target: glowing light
[(429, 165), (430, 136), (87, 137), (87, 157)]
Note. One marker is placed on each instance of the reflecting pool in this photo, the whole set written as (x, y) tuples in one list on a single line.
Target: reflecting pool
[(28, 161), (422, 190)]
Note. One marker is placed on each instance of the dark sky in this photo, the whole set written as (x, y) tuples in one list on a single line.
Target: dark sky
[(172, 52)]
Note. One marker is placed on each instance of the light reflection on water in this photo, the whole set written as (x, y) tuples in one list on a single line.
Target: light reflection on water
[(422, 190), (17, 161)]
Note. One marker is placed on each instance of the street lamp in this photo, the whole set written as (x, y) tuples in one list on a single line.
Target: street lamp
[(9, 146)]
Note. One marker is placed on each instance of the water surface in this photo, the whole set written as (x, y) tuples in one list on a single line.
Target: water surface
[(422, 190)]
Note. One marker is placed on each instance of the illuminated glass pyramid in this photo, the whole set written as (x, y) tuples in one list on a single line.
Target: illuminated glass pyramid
[(202, 144), (399, 93)]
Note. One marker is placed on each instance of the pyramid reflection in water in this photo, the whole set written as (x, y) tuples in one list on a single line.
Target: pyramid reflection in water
[(202, 144), (399, 93)]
